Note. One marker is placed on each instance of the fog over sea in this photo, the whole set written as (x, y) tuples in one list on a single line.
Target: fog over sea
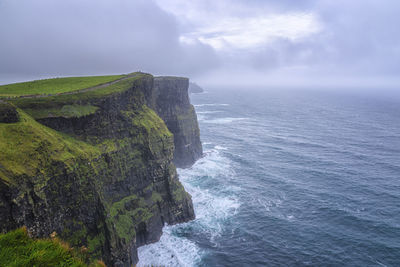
[(290, 178)]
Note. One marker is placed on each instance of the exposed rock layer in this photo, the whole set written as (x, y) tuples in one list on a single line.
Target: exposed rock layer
[(105, 180), (195, 88), (172, 104), (8, 113)]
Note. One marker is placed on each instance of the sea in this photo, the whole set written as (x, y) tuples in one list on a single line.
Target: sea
[(295, 177)]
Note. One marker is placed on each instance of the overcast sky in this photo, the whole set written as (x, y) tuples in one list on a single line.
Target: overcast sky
[(292, 42)]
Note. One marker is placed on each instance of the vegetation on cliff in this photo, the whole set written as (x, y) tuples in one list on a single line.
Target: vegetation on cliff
[(93, 165), (19, 249), (74, 104), (8, 113), (27, 146), (54, 86)]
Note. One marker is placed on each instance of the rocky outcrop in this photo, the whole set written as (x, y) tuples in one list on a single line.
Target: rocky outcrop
[(8, 113), (194, 88), (103, 178), (172, 104)]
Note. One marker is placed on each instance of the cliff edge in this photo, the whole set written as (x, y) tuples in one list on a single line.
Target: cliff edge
[(96, 166), (172, 104), (194, 88)]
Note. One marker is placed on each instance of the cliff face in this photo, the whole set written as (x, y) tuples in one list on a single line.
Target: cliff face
[(8, 113), (195, 88), (171, 102), (97, 167)]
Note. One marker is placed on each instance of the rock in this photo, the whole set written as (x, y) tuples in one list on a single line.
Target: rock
[(104, 180), (172, 104), (8, 113), (195, 89)]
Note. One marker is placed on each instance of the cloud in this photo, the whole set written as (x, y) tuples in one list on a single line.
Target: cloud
[(76, 37), (362, 35), (254, 32), (307, 38), (357, 38), (229, 24)]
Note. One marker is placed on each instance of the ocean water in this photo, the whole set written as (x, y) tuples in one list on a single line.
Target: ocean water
[(290, 178)]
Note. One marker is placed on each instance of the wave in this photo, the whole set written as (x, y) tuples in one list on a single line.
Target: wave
[(201, 117), (223, 120), (171, 250), (211, 105), (213, 202), (209, 112)]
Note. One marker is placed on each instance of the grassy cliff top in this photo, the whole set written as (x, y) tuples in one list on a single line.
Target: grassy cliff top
[(54, 86), (18, 249), (87, 95)]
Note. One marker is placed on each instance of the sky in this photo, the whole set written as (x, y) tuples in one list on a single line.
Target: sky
[(225, 42)]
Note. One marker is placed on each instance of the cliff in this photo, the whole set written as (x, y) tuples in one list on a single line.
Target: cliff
[(96, 166), (195, 88), (172, 104)]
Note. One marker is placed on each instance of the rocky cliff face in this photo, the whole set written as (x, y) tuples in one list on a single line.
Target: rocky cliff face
[(195, 88), (104, 176), (171, 102), (8, 113)]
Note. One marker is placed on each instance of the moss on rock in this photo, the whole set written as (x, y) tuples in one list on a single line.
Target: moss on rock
[(19, 249), (94, 166), (8, 113)]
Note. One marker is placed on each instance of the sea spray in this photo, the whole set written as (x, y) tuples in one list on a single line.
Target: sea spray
[(214, 203)]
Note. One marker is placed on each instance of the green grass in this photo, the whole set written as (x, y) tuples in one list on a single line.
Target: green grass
[(27, 145), (58, 101), (18, 249), (66, 111), (54, 86)]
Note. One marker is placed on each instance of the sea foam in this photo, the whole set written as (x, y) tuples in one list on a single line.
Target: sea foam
[(212, 207), (223, 120), (211, 105)]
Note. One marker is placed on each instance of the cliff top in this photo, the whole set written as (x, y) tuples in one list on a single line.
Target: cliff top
[(20, 133), (75, 103), (195, 88), (55, 86), (96, 165)]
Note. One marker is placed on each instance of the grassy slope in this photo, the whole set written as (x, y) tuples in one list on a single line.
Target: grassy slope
[(18, 249), (65, 111), (54, 86), (71, 105), (26, 144), (39, 107)]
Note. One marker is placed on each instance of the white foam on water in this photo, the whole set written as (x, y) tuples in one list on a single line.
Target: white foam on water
[(224, 120), (267, 203), (211, 105), (213, 205), (201, 117), (209, 112), (169, 251)]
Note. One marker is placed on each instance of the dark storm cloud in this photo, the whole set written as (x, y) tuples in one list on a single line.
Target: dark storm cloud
[(75, 37), (79, 37)]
